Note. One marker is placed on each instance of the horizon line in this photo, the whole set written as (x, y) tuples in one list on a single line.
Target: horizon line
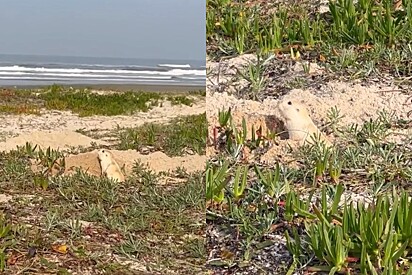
[(109, 57)]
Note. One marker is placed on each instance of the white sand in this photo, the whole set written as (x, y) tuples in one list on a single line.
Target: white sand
[(57, 130)]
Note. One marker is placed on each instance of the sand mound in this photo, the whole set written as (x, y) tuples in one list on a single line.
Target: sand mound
[(57, 130), (13, 125), (157, 161), (357, 102), (268, 124), (55, 139)]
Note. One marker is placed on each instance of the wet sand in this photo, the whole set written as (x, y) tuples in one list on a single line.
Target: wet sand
[(122, 87)]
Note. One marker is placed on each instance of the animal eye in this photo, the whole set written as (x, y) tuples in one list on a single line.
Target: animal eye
[(102, 151), (297, 109), (289, 102)]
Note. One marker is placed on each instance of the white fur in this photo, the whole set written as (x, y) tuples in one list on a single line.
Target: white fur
[(298, 122), (109, 166)]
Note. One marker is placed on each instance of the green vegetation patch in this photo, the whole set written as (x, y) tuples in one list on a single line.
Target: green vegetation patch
[(237, 27), (174, 138), (81, 222), (340, 209), (86, 103), (355, 39)]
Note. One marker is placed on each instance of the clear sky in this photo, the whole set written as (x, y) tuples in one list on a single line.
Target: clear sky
[(172, 29)]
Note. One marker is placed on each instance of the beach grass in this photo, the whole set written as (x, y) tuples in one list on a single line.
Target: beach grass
[(83, 224), (354, 39), (19, 109), (246, 25), (84, 102), (323, 211), (338, 209), (89, 224), (151, 224), (180, 136)]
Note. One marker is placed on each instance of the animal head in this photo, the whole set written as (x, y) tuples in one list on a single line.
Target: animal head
[(103, 154), (292, 110)]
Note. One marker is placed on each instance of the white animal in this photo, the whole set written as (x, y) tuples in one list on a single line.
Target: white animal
[(109, 166), (298, 123)]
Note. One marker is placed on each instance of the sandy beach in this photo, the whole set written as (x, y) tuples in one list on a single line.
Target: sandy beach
[(59, 129), (89, 90)]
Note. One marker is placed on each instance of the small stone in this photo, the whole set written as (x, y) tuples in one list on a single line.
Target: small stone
[(5, 198)]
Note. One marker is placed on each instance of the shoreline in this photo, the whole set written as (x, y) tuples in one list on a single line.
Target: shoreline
[(119, 87)]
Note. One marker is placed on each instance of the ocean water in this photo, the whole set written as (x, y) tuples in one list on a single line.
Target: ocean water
[(20, 70)]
